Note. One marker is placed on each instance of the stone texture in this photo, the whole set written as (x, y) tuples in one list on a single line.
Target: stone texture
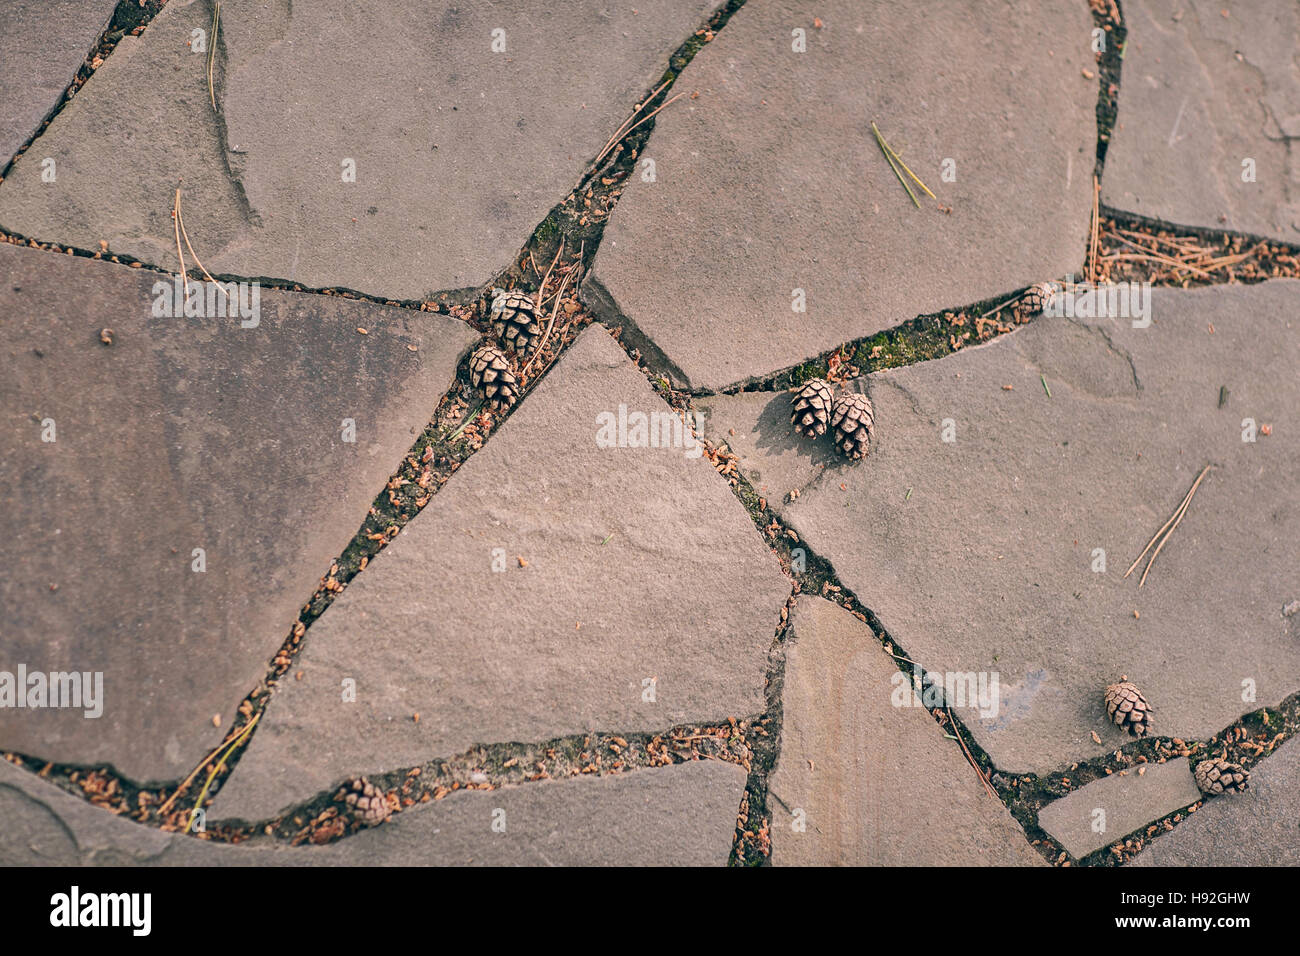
[(1260, 827), (459, 152), (681, 590), (682, 815), (184, 433), (878, 784), (988, 566), (1129, 801), (42, 45), (772, 179), (1202, 93)]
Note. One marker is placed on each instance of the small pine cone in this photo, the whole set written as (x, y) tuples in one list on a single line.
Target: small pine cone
[(1038, 298), (1220, 776), (514, 319), (366, 802), (1128, 709), (854, 423), (812, 408), (490, 370)]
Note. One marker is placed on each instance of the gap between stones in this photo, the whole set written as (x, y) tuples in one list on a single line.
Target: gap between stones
[(130, 17), (581, 217)]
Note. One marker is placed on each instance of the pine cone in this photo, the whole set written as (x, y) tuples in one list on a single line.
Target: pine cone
[(1128, 708), (514, 319), (490, 370), (812, 408), (1038, 298), (854, 423), (366, 802), (1220, 776)]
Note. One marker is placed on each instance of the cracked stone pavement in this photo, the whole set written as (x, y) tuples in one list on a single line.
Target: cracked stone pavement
[(585, 645)]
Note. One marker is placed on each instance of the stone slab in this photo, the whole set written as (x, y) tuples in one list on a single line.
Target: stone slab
[(870, 782), (459, 152), (987, 566), (1202, 93), (185, 433), (640, 565), (42, 45), (1126, 802), (772, 180), (1260, 827), (682, 815)]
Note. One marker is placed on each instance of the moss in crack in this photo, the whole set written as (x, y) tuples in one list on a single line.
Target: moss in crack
[(921, 339)]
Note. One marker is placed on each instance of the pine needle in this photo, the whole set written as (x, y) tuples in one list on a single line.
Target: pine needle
[(1167, 530), (180, 220), (890, 159), (899, 160), (212, 50), (203, 794), (466, 423), (176, 226)]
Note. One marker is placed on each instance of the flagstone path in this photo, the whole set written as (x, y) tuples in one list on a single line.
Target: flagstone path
[(595, 640)]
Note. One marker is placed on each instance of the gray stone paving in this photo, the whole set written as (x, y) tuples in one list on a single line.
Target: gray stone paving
[(1208, 114), (641, 567), (1106, 810), (184, 434), (557, 586), (987, 567), (1260, 827), (863, 780), (459, 152), (772, 181), (682, 815), (42, 43)]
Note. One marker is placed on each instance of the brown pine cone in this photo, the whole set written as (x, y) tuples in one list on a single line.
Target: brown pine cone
[(854, 423), (366, 802), (514, 319), (1217, 776), (812, 408), (1127, 708), (489, 369), (1038, 298)]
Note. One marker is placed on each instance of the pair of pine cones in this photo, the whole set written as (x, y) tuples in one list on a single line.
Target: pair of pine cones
[(1129, 710), (513, 316), (850, 417)]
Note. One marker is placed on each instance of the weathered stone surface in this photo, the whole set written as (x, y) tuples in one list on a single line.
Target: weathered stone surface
[(772, 179), (873, 783), (682, 815), (42, 44), (640, 564), (185, 433), (1202, 94), (988, 566), (1260, 827), (459, 152), (1128, 800)]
